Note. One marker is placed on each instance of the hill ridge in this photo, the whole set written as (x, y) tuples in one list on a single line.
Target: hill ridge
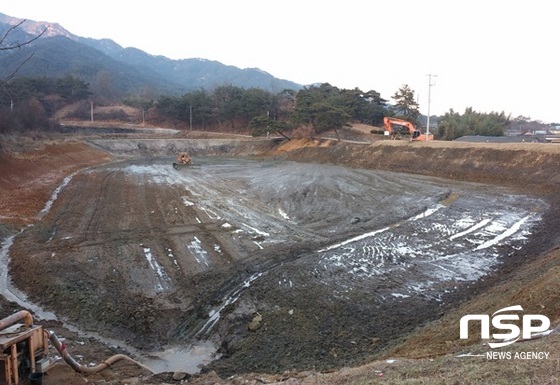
[(131, 69)]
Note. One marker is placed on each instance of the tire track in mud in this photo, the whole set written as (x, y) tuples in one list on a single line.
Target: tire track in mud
[(191, 242), (401, 294), (203, 329), (401, 247), (228, 196), (91, 228), (73, 200), (75, 196)]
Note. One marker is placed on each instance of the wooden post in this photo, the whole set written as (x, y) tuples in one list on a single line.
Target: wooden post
[(31, 353), (14, 365)]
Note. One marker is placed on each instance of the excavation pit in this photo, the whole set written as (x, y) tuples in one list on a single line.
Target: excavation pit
[(339, 262)]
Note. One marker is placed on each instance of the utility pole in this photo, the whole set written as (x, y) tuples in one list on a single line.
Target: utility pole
[(91, 111), (190, 117), (11, 99), (430, 84)]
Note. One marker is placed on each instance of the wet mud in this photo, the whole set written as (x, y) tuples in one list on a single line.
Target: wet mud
[(267, 264)]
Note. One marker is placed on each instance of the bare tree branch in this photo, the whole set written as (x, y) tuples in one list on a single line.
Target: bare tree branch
[(17, 45), (11, 75)]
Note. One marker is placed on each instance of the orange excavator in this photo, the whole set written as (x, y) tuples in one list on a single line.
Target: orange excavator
[(183, 159), (396, 128)]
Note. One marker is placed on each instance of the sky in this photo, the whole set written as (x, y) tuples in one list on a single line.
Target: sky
[(490, 55)]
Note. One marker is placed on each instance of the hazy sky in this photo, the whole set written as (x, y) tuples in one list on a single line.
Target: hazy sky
[(490, 55)]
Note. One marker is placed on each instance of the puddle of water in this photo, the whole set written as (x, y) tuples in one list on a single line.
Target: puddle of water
[(54, 196), (182, 358), (161, 275), (13, 294)]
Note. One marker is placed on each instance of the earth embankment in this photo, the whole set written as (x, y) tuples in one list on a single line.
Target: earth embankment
[(29, 174), (520, 165)]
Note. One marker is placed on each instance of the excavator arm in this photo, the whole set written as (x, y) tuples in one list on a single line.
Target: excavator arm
[(406, 126)]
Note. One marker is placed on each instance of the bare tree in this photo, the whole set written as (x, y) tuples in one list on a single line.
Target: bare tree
[(16, 45)]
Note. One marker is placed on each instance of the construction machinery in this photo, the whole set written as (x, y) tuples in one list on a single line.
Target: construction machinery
[(396, 128), (183, 160), (24, 349)]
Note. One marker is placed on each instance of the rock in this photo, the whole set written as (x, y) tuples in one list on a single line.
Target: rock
[(257, 317), (255, 324), (178, 376)]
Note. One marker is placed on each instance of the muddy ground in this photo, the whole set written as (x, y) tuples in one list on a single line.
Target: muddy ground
[(308, 259)]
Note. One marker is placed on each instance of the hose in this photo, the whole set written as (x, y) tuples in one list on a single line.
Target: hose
[(86, 369), (10, 320)]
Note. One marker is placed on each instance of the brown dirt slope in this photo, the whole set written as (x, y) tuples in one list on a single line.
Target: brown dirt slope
[(520, 165), (28, 177)]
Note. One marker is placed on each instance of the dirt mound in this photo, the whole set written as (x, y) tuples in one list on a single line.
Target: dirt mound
[(102, 113)]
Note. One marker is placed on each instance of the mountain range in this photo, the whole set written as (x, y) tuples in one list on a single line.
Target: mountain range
[(130, 70)]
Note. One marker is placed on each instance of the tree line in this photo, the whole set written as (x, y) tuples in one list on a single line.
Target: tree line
[(29, 103), (319, 107), (454, 125)]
